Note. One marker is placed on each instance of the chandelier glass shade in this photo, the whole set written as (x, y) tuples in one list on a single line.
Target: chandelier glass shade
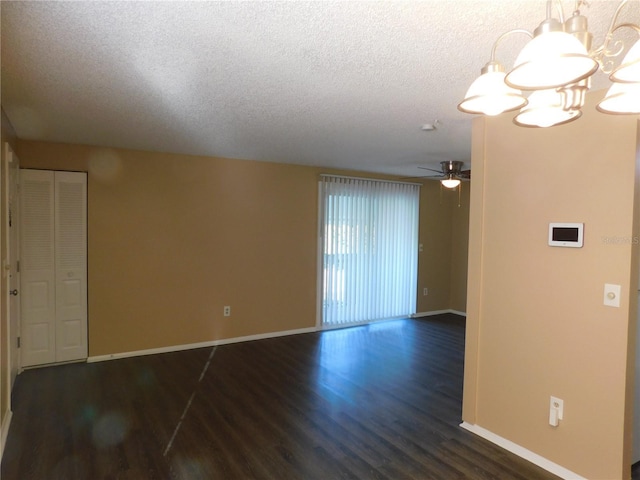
[(621, 98), (490, 95), (550, 60), (545, 109), (556, 66)]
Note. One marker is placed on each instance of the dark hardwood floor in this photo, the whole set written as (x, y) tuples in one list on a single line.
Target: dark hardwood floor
[(373, 402)]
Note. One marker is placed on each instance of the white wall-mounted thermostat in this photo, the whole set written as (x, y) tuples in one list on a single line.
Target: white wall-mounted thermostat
[(566, 234)]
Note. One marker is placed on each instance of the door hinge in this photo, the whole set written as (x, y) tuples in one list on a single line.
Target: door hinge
[(18, 342)]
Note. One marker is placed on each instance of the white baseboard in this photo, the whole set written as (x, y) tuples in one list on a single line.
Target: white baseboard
[(213, 343), (522, 452), (438, 312), (5, 431), (191, 346)]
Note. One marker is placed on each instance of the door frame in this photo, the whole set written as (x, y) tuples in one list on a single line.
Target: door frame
[(11, 261)]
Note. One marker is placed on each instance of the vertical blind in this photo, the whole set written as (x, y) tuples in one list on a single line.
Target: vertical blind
[(369, 234)]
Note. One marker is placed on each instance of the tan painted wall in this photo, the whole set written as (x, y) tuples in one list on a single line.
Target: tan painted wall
[(7, 135), (434, 267), (174, 238), (536, 323), (459, 249), (442, 265)]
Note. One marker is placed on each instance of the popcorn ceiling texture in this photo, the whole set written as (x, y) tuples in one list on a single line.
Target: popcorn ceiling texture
[(335, 84)]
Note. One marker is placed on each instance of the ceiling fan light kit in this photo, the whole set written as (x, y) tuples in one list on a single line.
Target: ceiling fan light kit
[(556, 66), (450, 181), (450, 173)]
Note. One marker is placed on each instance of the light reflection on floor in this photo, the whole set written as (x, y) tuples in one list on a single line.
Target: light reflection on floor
[(351, 357)]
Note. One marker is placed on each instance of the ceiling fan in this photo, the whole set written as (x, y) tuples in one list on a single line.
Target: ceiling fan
[(451, 173)]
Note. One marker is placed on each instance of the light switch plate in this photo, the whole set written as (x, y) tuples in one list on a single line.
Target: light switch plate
[(558, 404), (611, 295)]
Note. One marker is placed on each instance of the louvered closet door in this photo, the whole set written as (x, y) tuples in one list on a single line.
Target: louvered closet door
[(54, 266), (37, 307), (71, 265)]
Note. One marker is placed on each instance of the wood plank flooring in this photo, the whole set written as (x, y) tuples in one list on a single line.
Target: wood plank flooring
[(375, 402)]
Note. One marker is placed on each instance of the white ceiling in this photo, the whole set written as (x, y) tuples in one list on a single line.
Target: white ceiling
[(328, 83)]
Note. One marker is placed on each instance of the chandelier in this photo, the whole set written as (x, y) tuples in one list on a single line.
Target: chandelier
[(556, 66)]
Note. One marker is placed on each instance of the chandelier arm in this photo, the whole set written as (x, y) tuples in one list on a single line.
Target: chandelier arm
[(505, 34), (612, 27), (604, 50), (600, 54), (559, 8), (628, 25)]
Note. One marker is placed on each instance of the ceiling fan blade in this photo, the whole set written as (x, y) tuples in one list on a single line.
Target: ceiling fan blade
[(449, 170), (424, 176), (431, 169)]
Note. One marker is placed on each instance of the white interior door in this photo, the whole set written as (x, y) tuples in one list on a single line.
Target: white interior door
[(37, 269), (54, 266), (71, 265)]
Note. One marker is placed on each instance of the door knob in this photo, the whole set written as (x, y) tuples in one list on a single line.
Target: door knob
[(13, 292)]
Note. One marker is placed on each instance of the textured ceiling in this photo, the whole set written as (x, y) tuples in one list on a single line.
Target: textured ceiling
[(335, 84)]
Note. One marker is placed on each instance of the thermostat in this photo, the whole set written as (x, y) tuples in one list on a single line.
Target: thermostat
[(566, 234)]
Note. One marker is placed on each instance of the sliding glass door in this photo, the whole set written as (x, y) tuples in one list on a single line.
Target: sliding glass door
[(369, 253)]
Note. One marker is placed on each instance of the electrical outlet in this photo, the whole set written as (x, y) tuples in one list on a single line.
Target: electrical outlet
[(227, 311), (425, 291)]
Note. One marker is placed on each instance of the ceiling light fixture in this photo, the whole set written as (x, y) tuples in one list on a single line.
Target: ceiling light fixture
[(556, 66), (450, 182)]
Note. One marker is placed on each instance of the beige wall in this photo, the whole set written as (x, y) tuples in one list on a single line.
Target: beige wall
[(174, 238), (434, 266), (536, 323), (442, 264), (7, 136), (459, 249)]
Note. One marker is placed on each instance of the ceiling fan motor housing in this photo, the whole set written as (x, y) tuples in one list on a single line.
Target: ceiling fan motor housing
[(451, 166)]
